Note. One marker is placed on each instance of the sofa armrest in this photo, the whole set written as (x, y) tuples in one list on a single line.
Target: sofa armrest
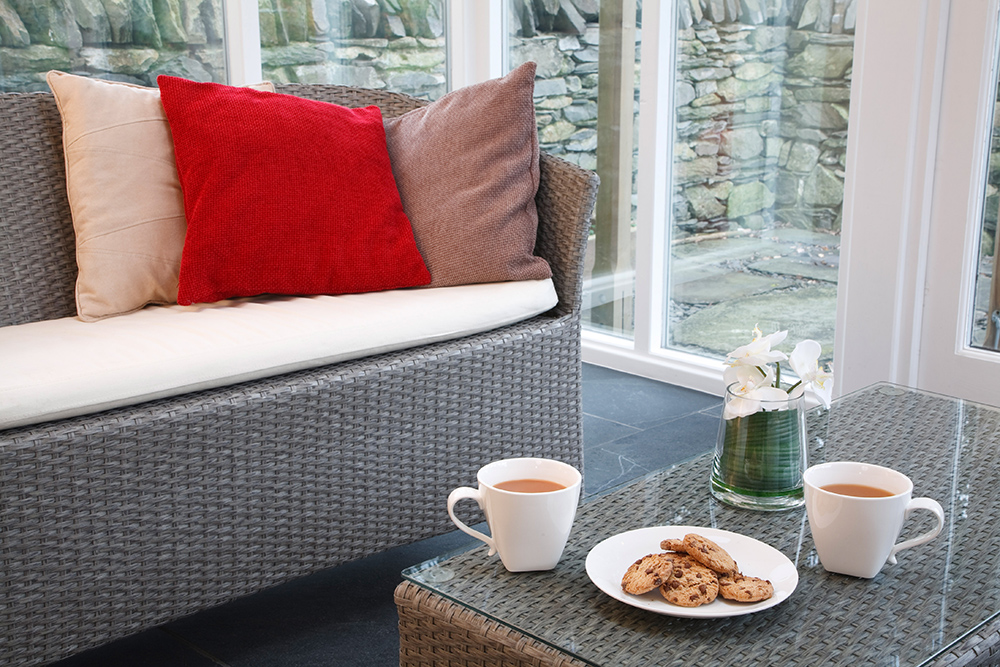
[(565, 201)]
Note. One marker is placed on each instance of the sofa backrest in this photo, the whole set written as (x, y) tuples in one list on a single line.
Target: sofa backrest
[(391, 104), (37, 246)]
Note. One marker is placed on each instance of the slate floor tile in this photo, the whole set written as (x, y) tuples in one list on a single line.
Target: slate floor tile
[(635, 401), (597, 431), (152, 648)]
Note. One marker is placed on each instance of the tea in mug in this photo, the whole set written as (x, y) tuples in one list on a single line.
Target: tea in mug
[(857, 490), (529, 485)]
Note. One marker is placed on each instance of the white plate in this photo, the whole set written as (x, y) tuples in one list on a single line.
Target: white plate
[(607, 562)]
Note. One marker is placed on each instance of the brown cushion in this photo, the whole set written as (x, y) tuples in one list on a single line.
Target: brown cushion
[(124, 194), (467, 171)]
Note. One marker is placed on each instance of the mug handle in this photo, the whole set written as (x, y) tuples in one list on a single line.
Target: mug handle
[(920, 504), (464, 492)]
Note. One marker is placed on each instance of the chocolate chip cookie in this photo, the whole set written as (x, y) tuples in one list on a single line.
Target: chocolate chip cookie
[(691, 584), (741, 588), (710, 554), (671, 544), (647, 573)]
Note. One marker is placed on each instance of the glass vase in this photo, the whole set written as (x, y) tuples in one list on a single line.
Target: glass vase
[(760, 454)]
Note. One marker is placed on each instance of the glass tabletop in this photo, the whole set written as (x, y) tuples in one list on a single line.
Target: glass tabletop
[(910, 613)]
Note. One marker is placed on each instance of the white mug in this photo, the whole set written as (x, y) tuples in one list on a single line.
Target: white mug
[(529, 530), (857, 535)]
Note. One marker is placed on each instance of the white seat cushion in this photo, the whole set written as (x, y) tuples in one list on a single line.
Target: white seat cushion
[(66, 367)]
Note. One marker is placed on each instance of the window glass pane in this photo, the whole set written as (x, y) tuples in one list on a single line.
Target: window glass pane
[(985, 328), (564, 39), (397, 45), (761, 110), (123, 40)]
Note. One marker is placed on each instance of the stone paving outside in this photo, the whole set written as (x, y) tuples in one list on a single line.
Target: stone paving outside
[(724, 285), (783, 278), (776, 279)]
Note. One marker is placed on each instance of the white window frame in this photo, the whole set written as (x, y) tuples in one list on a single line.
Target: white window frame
[(476, 40), (947, 362), (242, 24), (913, 197), (898, 56), (644, 354)]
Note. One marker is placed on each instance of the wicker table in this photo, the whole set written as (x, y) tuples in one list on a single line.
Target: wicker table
[(938, 606)]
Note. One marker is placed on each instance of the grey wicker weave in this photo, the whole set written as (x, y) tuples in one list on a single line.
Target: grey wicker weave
[(937, 606), (115, 522)]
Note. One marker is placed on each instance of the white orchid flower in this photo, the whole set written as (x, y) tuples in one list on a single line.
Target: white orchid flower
[(750, 390), (740, 406), (754, 399), (758, 352), (754, 384), (772, 398), (805, 362), (747, 378)]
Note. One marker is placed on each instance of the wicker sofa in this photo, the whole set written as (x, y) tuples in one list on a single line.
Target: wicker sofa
[(114, 522)]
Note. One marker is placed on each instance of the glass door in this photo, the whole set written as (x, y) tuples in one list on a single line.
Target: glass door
[(959, 352), (920, 201), (740, 153)]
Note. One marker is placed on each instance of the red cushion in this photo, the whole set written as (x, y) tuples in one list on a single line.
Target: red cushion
[(285, 195)]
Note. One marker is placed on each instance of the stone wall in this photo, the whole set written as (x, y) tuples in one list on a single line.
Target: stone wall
[(128, 40), (378, 43), (762, 98), (565, 91), (762, 108), (992, 189), (413, 65), (392, 44)]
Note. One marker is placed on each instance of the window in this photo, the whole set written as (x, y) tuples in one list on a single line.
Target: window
[(760, 146), (741, 156)]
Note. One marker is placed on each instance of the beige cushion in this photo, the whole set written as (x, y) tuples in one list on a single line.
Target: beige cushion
[(467, 171), (64, 367), (124, 194)]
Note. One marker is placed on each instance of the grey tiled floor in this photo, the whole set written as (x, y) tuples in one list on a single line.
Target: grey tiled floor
[(345, 616)]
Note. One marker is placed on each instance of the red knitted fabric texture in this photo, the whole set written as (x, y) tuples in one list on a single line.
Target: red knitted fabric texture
[(285, 196)]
